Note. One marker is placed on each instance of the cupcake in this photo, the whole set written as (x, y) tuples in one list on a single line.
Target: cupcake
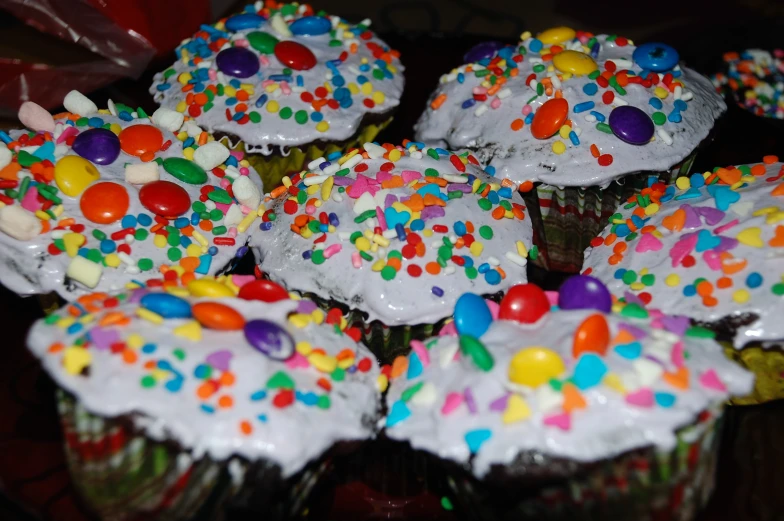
[(285, 84), (181, 407), (96, 200), (754, 79), (391, 237), (566, 413), (707, 250), (577, 121)]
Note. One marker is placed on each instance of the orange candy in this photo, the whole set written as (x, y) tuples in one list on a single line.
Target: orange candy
[(592, 336), (549, 118), (104, 203), (217, 316), (138, 140)]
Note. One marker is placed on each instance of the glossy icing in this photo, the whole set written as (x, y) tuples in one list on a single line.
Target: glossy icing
[(207, 389), (489, 105), (355, 74), (193, 245), (731, 238), (631, 382), (397, 281)]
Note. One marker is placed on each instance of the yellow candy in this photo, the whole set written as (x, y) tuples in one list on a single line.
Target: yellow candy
[(190, 331), (75, 359), (660, 92), (149, 316), (651, 209), (366, 88), (378, 265), (613, 381), (751, 237), (516, 410), (555, 35), (299, 320), (741, 296), (326, 188), (382, 382), (73, 174), (362, 244), (193, 250), (272, 106), (378, 97), (135, 341), (209, 288), (575, 62), (72, 242), (559, 147), (322, 126), (476, 248), (535, 366), (318, 316), (394, 155), (160, 241), (322, 362), (304, 348), (522, 251)]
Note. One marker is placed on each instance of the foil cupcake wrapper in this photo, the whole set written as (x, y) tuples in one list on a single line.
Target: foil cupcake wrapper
[(643, 485), (566, 219), (767, 364), (274, 167), (122, 475)]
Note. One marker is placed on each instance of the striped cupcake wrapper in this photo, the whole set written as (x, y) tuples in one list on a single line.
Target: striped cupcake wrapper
[(641, 485), (767, 364), (566, 219), (122, 475)]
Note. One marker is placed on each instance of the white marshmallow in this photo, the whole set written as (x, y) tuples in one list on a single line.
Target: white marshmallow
[(77, 103), (210, 155), (246, 192), (19, 223), (169, 119), (142, 173), (84, 271)]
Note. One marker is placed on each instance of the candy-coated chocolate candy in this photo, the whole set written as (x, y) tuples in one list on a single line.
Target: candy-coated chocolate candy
[(269, 338), (556, 35), (166, 305), (472, 315), (98, 145), (238, 62), (295, 55), (631, 125), (264, 290), (477, 352), (214, 315), (73, 174), (535, 366), (655, 56), (549, 118), (209, 288), (185, 170), (238, 22), (481, 51), (310, 26), (591, 336), (138, 140), (263, 42), (165, 198), (584, 292), (575, 62), (524, 303), (104, 203)]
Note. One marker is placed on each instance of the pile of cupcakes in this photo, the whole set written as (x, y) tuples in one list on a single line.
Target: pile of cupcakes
[(387, 299)]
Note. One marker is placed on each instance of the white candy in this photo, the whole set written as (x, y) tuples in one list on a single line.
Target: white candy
[(664, 136), (280, 26), (84, 271), (547, 398), (142, 173), (648, 371), (426, 395), (315, 163), (364, 203), (77, 103), (246, 192), (191, 128), (210, 155), (19, 223), (169, 119), (374, 151), (5, 157), (448, 354), (351, 163), (233, 216)]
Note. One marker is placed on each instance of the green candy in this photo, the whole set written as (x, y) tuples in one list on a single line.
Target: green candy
[(263, 42), (388, 273), (634, 311), (185, 170), (474, 349), (411, 391), (486, 232), (145, 264), (280, 380), (318, 257), (700, 332), (219, 195)]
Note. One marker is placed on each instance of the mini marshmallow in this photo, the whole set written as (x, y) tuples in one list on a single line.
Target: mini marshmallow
[(233, 216), (84, 271), (169, 119), (77, 103), (191, 128), (35, 117), (19, 223), (142, 173), (246, 192), (5, 157), (210, 155)]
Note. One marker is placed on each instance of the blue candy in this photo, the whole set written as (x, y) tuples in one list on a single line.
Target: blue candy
[(589, 371), (655, 56), (476, 438), (166, 305), (472, 315), (310, 26)]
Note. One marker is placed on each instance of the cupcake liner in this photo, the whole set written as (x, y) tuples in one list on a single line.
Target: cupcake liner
[(767, 364), (49, 302), (121, 474), (566, 219), (274, 167), (641, 485)]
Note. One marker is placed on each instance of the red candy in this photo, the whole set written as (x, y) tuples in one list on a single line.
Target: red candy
[(263, 290), (164, 198), (104, 203), (295, 55), (524, 303), (138, 140)]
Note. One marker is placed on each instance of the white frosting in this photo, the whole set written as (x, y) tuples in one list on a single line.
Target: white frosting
[(290, 436), (519, 156), (756, 208), (343, 122), (404, 300), (607, 427), (29, 268)]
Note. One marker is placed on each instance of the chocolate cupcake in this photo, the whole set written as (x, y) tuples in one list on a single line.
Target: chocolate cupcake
[(204, 408), (577, 121), (284, 84), (391, 236), (569, 412), (707, 250), (100, 200), (754, 79)]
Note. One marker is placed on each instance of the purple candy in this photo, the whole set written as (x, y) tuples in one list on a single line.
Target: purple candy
[(499, 404), (97, 145), (726, 244), (692, 217), (636, 332), (481, 51), (389, 199), (103, 339), (676, 324), (306, 306), (431, 212), (342, 180), (584, 292), (631, 298), (711, 215), (631, 125), (469, 400), (220, 359), (269, 338), (461, 187), (238, 62)]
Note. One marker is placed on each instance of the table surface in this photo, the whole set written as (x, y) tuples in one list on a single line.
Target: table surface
[(34, 476)]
